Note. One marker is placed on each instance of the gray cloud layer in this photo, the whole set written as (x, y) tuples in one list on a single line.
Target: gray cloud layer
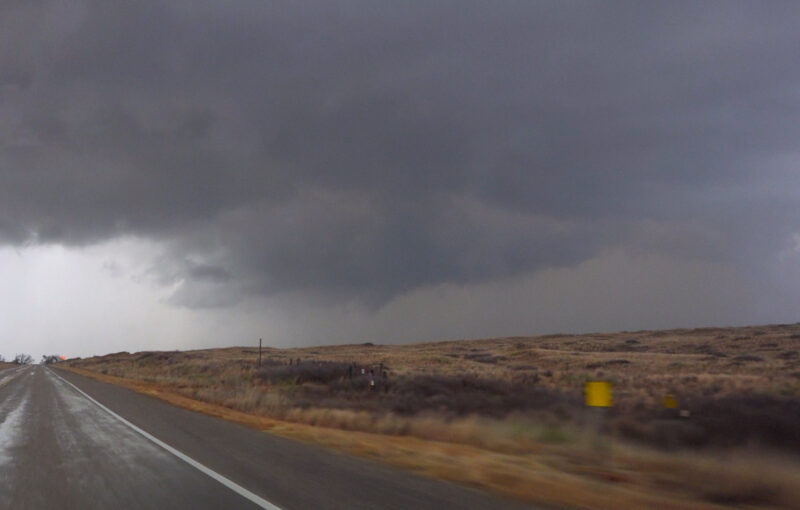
[(367, 149)]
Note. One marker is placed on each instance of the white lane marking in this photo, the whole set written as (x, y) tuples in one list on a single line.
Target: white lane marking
[(238, 489), (126, 446)]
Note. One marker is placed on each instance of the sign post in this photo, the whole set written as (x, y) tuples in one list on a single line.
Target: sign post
[(598, 396)]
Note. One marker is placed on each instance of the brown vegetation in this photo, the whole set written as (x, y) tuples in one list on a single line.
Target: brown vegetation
[(516, 404)]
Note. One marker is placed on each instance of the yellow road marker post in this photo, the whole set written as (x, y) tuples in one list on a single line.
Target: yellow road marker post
[(599, 398), (598, 394)]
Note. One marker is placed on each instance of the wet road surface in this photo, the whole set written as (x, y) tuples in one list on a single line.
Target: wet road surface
[(71, 442)]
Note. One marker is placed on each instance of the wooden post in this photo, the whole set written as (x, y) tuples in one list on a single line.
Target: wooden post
[(259, 353)]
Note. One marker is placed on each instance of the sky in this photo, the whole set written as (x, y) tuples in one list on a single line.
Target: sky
[(192, 174)]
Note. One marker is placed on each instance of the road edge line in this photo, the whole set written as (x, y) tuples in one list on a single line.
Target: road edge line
[(258, 500)]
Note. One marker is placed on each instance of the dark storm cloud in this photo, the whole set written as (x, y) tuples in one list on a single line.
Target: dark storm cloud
[(369, 148)]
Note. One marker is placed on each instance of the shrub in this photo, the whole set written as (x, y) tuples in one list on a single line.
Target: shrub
[(732, 420), (608, 363), (747, 357), (322, 372), (470, 395)]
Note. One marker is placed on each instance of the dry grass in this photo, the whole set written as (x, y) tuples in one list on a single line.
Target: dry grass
[(586, 472), (506, 414)]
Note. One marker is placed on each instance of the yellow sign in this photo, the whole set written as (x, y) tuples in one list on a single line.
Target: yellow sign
[(598, 393), (670, 402)]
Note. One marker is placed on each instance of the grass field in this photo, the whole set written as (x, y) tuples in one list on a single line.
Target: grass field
[(507, 414)]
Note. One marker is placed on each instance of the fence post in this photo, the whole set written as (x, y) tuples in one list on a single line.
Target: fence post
[(259, 353)]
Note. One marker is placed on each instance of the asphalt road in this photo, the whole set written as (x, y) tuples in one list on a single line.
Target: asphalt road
[(71, 442)]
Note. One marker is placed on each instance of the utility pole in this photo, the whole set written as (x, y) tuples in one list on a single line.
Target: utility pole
[(259, 353)]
